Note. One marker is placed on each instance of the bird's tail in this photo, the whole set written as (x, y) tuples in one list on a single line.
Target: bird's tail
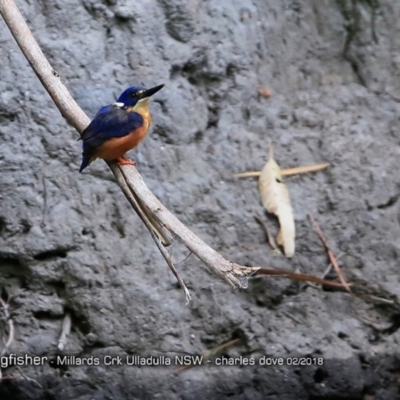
[(85, 162)]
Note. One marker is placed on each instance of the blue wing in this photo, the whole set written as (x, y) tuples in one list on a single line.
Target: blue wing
[(110, 122)]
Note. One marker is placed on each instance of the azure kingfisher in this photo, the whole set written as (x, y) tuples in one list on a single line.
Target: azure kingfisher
[(119, 127)]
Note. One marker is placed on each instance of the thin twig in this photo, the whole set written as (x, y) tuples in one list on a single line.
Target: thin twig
[(304, 169), (270, 237), (292, 317), (329, 267), (160, 235), (378, 327), (287, 171), (331, 256), (298, 277), (392, 96), (163, 235), (379, 300), (29, 379), (171, 266), (184, 260), (327, 271)]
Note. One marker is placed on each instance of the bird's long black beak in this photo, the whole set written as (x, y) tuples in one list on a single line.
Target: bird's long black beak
[(150, 92)]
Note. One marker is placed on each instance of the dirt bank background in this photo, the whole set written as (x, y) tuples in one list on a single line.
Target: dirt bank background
[(69, 242)]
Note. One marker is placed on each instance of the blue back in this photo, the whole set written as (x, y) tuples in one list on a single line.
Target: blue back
[(110, 122)]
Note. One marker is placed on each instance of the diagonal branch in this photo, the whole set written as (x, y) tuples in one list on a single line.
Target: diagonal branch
[(150, 209)]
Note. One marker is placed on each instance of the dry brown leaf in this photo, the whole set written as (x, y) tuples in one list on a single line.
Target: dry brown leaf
[(276, 200)]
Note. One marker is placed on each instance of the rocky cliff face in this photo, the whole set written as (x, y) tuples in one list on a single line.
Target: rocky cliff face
[(70, 242)]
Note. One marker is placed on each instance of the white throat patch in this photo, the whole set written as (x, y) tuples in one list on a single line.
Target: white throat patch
[(142, 104)]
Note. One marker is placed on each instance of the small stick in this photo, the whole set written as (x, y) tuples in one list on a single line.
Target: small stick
[(152, 225), (291, 316), (211, 353), (304, 169), (392, 96), (299, 277), (249, 174), (380, 300), (328, 269), (376, 326), (185, 259), (287, 171), (171, 265), (271, 239), (29, 379), (331, 256), (65, 331)]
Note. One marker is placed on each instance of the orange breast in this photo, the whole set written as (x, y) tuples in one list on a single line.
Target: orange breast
[(117, 147)]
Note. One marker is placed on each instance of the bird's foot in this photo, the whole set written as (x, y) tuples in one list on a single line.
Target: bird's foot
[(125, 161)]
